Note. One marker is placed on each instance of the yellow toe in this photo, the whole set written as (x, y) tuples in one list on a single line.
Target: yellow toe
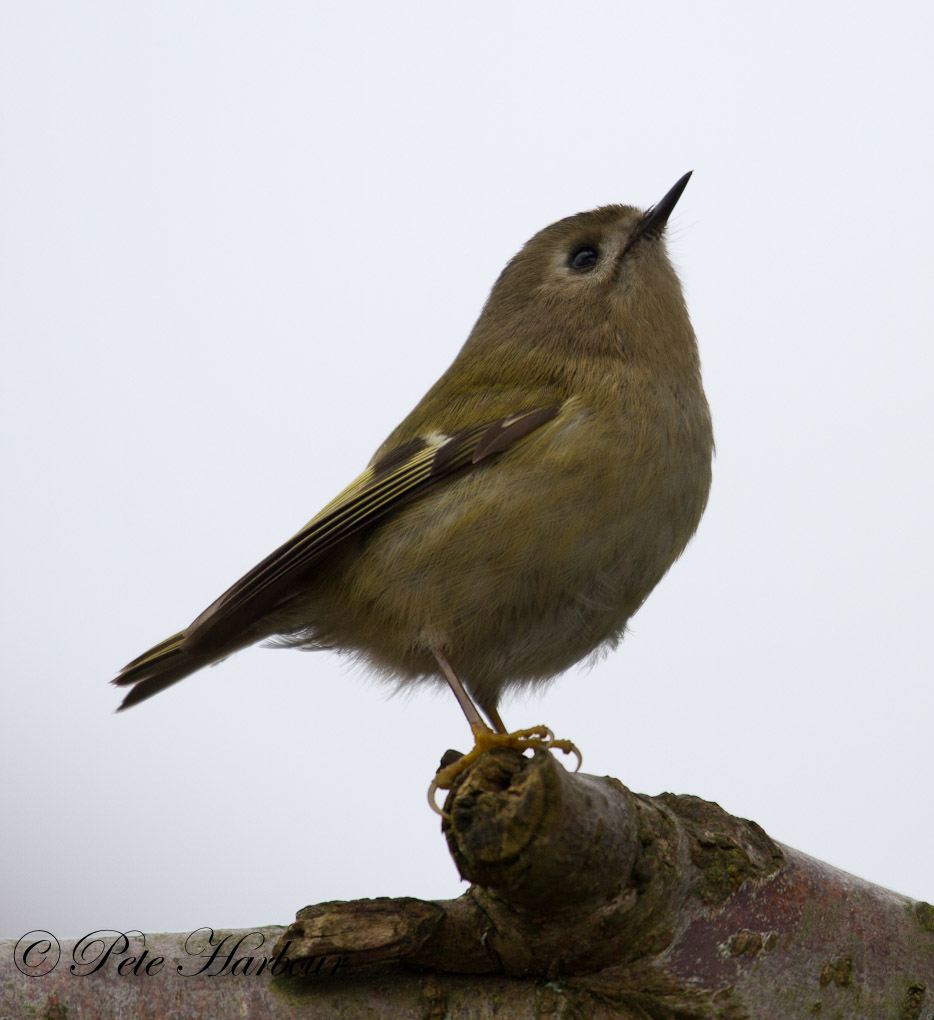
[(485, 739)]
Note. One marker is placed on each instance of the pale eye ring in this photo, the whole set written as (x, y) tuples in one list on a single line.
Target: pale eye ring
[(584, 258)]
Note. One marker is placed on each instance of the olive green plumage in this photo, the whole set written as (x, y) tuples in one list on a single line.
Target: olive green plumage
[(530, 502)]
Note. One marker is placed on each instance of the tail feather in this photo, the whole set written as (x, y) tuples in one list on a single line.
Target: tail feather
[(163, 665)]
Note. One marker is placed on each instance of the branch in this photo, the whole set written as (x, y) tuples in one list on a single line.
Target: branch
[(639, 907), (587, 901)]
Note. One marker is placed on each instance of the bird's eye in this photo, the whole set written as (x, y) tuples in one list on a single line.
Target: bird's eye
[(584, 258)]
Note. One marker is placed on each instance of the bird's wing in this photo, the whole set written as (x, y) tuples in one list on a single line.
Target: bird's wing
[(392, 480)]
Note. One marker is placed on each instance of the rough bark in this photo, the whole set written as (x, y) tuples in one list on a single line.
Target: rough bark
[(587, 901)]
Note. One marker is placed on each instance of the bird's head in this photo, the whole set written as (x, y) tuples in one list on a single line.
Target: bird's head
[(597, 283)]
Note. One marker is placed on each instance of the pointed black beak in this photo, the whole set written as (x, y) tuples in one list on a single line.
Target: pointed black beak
[(653, 223)]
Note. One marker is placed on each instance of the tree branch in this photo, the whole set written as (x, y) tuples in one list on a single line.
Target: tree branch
[(587, 901), (642, 906)]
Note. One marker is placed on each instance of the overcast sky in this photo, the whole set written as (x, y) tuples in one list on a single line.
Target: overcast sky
[(238, 241)]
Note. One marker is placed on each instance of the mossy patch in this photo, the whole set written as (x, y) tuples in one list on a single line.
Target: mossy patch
[(728, 851), (924, 914)]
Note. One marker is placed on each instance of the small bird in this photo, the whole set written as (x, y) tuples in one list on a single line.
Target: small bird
[(513, 523)]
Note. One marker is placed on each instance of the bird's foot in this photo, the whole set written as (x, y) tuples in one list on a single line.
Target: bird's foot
[(485, 739)]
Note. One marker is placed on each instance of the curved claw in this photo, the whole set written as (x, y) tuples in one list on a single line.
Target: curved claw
[(568, 748), (432, 790), (522, 740)]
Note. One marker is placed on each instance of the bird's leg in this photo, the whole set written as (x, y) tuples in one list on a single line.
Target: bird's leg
[(486, 738), (498, 725), (460, 692)]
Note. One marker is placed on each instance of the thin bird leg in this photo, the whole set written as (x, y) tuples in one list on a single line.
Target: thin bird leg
[(485, 738), (460, 692), (498, 725)]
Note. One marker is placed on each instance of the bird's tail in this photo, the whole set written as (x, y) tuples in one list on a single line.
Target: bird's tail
[(163, 665)]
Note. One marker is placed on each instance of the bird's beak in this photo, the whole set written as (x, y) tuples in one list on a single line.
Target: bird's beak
[(653, 223)]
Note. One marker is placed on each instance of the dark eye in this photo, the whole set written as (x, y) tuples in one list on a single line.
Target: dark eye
[(584, 258)]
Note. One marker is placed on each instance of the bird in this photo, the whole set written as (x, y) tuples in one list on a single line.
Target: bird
[(518, 517)]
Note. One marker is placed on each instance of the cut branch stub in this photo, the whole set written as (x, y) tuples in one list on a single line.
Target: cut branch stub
[(544, 838), (362, 931), (571, 874)]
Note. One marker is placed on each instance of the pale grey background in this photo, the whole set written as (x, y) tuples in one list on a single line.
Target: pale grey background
[(238, 242)]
